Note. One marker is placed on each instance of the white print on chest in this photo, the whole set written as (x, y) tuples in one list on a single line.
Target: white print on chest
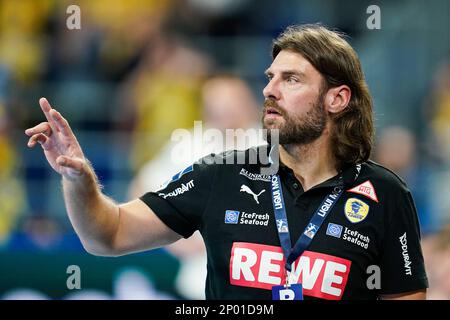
[(246, 189)]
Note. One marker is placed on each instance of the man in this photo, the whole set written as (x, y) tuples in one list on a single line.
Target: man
[(355, 221)]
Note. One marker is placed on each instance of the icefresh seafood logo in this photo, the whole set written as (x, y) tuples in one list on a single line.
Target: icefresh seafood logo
[(334, 230), (231, 216)]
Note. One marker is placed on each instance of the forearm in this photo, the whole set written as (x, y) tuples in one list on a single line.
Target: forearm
[(94, 216), (104, 227)]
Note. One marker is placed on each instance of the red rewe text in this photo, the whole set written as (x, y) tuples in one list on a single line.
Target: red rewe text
[(262, 266)]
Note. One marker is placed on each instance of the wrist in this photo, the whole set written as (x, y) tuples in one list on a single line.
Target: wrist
[(85, 177)]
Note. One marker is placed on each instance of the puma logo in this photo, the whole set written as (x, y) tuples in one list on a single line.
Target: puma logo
[(246, 189)]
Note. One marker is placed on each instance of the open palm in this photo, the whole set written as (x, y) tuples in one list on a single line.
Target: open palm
[(60, 145)]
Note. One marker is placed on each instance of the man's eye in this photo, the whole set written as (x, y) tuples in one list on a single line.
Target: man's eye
[(292, 80)]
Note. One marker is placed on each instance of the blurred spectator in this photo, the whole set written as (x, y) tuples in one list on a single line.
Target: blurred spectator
[(397, 150), (134, 284), (41, 232), (437, 111), (436, 247), (436, 251), (165, 90), (12, 193), (228, 103), (111, 40), (22, 47), (128, 27), (440, 106)]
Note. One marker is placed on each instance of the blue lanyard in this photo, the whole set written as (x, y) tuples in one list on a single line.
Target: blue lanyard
[(291, 254)]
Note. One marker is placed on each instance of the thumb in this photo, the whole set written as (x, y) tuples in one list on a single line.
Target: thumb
[(76, 164)]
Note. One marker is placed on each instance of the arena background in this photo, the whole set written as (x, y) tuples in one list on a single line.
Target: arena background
[(134, 72)]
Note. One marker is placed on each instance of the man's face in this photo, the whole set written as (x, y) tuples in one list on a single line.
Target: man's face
[(294, 103)]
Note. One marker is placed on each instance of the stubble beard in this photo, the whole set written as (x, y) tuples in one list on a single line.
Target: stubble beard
[(299, 130)]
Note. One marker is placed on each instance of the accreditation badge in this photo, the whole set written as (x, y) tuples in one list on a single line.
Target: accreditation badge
[(292, 292)]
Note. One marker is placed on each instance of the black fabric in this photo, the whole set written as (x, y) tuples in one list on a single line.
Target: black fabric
[(244, 255)]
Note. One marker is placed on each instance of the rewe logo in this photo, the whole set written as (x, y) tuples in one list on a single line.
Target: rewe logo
[(246, 189), (262, 266)]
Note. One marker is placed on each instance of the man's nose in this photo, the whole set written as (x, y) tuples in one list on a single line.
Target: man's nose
[(271, 90)]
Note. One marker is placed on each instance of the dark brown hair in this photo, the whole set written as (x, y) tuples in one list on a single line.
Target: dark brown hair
[(352, 131)]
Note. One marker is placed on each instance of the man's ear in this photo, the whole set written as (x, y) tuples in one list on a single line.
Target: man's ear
[(337, 98)]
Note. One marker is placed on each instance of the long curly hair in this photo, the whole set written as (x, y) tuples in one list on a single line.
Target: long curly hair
[(352, 130)]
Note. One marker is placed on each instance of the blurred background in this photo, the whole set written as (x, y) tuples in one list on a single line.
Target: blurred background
[(138, 69)]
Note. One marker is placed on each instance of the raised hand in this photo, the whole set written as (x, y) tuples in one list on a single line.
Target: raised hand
[(60, 145)]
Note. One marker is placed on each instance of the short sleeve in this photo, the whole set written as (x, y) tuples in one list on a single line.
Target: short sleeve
[(181, 203), (402, 264)]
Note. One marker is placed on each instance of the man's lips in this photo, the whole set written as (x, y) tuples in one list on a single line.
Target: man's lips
[(272, 112)]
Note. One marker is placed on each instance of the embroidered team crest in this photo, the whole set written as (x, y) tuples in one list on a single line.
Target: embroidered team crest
[(356, 210), (366, 189)]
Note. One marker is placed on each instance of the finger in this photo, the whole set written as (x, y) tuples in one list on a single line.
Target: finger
[(46, 108), (61, 123), (37, 138), (42, 127), (72, 163)]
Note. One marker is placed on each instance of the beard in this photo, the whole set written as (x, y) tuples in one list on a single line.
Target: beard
[(299, 130)]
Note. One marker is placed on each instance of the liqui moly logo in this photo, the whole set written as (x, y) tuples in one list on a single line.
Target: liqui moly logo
[(262, 266), (327, 204), (277, 201)]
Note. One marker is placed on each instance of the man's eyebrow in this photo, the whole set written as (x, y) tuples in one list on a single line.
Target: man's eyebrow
[(287, 73)]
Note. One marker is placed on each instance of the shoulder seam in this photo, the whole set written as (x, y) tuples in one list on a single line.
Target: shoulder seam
[(400, 179)]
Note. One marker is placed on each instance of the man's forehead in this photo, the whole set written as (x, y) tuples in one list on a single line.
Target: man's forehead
[(288, 60)]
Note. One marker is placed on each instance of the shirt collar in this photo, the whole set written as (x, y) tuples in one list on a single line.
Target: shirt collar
[(348, 174)]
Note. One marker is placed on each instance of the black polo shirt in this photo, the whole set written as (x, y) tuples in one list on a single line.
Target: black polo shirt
[(373, 226)]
